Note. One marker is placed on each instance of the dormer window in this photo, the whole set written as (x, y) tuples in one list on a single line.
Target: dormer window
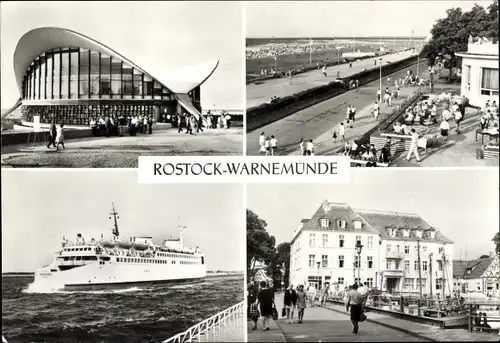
[(358, 225), (419, 233), (394, 232), (406, 232), (341, 223), (432, 234), (325, 223)]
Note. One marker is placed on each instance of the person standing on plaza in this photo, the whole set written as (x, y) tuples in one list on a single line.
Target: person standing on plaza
[(302, 146), (413, 146), (342, 131), (324, 71), (265, 299), (52, 135), (324, 294), (379, 95), (262, 141), (290, 303), (60, 137), (444, 129), (458, 118), (228, 121), (310, 148), (353, 115), (312, 294), (354, 304), (274, 145), (301, 303)]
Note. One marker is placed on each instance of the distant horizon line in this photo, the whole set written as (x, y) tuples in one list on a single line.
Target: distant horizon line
[(340, 37)]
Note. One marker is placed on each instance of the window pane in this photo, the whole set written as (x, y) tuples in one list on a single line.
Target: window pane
[(42, 77), (57, 75), (116, 77), (94, 73), (84, 72), (64, 75), (137, 84), (157, 88), (105, 84), (49, 75), (490, 79), (74, 75), (37, 80)]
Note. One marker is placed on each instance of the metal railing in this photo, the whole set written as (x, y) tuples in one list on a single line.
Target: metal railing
[(215, 328)]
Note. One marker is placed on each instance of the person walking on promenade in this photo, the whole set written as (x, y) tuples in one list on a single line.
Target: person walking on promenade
[(324, 294), (301, 303), (251, 296), (354, 303), (413, 146), (290, 303), (324, 71), (302, 145), (274, 145), (265, 299), (60, 137), (342, 131), (52, 135), (312, 294)]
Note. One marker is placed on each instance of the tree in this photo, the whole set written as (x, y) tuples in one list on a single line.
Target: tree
[(260, 244), (496, 240), (280, 263), (451, 34)]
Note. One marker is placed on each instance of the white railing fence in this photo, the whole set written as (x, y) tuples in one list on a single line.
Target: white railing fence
[(218, 328)]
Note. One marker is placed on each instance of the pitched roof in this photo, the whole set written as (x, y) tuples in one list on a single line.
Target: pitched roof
[(383, 220), (334, 212), (478, 268)]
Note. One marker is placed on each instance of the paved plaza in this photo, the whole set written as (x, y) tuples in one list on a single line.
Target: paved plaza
[(318, 121), (261, 92), (122, 152), (331, 323)]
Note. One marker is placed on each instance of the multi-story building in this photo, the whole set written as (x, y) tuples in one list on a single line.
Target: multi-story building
[(478, 276), (323, 251)]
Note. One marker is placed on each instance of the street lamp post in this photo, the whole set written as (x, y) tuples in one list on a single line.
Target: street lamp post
[(380, 68), (318, 263), (359, 248)]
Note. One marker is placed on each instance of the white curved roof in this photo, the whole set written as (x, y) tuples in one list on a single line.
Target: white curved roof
[(37, 41)]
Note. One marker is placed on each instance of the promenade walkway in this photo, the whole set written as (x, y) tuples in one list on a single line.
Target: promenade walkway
[(318, 121), (331, 323), (123, 151), (424, 331), (262, 92)]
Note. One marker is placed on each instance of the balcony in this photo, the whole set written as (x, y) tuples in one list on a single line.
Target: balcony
[(394, 254), (392, 273)]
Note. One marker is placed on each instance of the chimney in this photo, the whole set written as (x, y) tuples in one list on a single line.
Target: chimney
[(326, 206)]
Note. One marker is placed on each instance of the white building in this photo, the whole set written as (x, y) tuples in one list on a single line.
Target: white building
[(323, 250), (480, 72), (478, 276)]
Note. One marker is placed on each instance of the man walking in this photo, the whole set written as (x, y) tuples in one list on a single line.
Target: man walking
[(413, 146), (290, 302), (354, 304), (52, 135)]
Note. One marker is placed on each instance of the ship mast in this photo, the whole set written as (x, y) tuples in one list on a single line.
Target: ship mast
[(115, 231)]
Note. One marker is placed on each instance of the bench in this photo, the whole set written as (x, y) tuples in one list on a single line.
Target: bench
[(423, 142), (483, 133), (490, 153)]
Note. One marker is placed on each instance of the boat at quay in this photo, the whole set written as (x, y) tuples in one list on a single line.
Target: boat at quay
[(117, 263)]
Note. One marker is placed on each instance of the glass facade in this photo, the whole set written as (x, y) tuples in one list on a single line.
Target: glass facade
[(75, 73), (82, 114)]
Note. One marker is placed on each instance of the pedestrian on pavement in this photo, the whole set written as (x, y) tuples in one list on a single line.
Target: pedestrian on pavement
[(262, 141), (52, 135), (302, 145), (413, 146), (60, 137), (324, 294), (379, 95), (267, 146), (444, 129), (334, 136), (290, 303), (274, 145), (265, 299), (310, 148), (301, 303), (342, 131), (354, 303), (312, 294)]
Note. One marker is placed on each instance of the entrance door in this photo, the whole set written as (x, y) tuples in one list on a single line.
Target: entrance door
[(391, 284)]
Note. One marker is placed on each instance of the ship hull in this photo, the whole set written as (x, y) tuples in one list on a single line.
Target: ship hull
[(116, 275), (125, 285)]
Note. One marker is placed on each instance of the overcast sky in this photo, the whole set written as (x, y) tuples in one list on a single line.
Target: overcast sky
[(39, 207), (163, 34), (266, 19), (462, 204)]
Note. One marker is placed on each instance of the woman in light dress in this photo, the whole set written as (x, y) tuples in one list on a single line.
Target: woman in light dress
[(60, 137)]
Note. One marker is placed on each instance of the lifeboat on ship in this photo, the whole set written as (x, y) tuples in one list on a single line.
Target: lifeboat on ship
[(108, 244)]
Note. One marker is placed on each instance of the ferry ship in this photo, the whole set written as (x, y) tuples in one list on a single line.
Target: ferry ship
[(118, 263)]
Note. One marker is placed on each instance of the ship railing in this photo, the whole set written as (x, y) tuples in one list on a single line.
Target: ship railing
[(218, 328)]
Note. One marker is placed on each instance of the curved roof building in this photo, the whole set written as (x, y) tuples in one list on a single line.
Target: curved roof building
[(68, 77)]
